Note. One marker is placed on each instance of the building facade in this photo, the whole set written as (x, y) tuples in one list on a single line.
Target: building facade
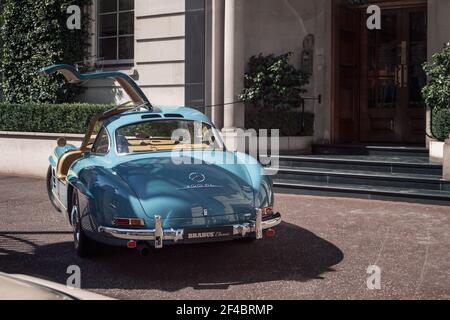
[(194, 52)]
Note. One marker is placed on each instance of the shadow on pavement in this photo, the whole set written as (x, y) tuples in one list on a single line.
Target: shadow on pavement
[(295, 254)]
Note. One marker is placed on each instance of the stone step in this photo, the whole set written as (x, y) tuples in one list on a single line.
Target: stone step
[(373, 150), (364, 178), (363, 192), (380, 164)]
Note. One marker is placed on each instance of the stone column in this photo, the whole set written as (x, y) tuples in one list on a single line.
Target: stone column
[(234, 64), (218, 23)]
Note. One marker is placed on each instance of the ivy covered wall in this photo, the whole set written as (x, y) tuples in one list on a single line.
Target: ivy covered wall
[(34, 34)]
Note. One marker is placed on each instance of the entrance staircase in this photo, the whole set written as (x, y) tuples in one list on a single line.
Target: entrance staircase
[(370, 172)]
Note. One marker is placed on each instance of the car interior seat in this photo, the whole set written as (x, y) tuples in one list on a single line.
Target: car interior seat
[(65, 162)]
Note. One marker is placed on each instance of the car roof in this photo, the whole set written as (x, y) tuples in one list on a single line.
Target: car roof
[(155, 114)]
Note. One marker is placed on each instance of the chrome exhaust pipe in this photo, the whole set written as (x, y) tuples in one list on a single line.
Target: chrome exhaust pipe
[(143, 250)]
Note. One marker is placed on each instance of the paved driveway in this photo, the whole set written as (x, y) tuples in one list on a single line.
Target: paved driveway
[(322, 251)]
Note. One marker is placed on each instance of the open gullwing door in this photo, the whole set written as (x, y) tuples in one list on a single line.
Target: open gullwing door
[(72, 75)]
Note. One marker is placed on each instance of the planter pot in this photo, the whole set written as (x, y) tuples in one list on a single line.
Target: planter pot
[(27, 154), (299, 145), (437, 150), (237, 142)]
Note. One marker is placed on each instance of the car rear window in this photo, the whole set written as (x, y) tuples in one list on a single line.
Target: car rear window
[(167, 135)]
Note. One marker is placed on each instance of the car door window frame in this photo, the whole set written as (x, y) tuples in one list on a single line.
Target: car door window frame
[(99, 135)]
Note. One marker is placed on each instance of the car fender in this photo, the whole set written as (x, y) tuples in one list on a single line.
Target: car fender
[(261, 183), (107, 194)]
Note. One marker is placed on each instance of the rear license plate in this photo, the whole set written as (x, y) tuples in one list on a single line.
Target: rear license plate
[(208, 233)]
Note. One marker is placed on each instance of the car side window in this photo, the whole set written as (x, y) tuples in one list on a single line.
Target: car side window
[(101, 144)]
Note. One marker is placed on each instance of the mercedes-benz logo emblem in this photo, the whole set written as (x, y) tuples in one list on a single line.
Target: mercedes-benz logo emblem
[(197, 177)]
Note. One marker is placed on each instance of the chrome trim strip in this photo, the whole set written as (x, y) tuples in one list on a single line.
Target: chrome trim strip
[(63, 207), (258, 224), (159, 234)]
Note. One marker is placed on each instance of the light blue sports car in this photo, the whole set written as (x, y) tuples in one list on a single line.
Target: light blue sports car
[(148, 176)]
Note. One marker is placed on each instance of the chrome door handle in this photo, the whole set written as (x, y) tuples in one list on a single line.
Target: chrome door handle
[(405, 76)]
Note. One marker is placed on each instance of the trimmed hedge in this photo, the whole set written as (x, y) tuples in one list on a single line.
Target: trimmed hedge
[(51, 118), (75, 118), (288, 122), (441, 124)]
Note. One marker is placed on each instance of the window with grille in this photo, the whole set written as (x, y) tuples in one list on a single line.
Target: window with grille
[(115, 25)]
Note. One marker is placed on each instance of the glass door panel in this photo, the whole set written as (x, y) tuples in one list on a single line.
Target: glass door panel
[(382, 60), (417, 56)]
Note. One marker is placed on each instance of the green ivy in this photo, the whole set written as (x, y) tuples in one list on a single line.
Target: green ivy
[(34, 34), (52, 118), (271, 82), (437, 92)]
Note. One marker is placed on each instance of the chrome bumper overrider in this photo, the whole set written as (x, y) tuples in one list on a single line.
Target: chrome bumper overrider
[(158, 235)]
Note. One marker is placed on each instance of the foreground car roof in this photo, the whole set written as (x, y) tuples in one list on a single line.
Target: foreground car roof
[(21, 287)]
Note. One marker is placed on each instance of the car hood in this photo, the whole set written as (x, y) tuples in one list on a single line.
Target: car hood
[(196, 188)]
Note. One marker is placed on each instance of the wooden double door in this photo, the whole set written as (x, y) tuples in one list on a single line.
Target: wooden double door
[(379, 96)]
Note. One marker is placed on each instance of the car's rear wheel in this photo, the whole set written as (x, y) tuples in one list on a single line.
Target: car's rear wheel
[(84, 246), (51, 196)]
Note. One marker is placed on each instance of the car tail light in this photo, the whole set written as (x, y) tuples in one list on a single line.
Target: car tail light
[(132, 244), (128, 222), (270, 233)]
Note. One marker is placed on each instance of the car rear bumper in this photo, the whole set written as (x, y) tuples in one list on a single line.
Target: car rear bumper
[(160, 235)]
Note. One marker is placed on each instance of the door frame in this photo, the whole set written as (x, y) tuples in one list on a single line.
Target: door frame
[(334, 101)]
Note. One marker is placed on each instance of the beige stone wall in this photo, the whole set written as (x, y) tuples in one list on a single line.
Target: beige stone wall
[(27, 154), (270, 26), (438, 34), (159, 55), (281, 26), (438, 25)]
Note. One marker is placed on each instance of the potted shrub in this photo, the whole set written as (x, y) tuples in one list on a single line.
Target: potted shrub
[(273, 90)]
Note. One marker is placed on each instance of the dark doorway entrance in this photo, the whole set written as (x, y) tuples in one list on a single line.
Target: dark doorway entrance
[(391, 106), (379, 76)]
